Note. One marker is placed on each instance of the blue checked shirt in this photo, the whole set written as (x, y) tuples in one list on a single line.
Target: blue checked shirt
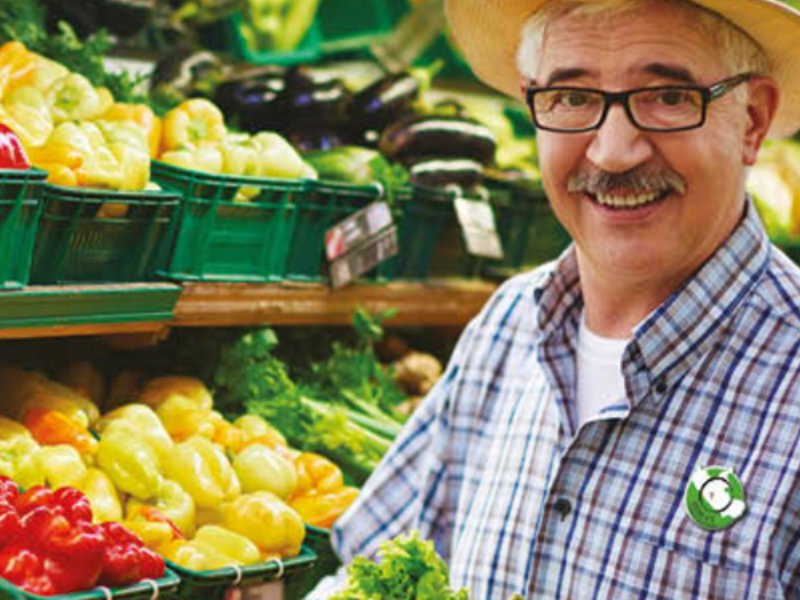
[(519, 500)]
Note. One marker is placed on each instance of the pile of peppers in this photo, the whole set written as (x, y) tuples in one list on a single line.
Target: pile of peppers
[(49, 545)]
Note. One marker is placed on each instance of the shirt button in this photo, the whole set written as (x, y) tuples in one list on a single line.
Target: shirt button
[(563, 507), (636, 354), (661, 386)]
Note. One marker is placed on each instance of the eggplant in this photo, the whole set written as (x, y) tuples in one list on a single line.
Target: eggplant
[(309, 97), (384, 101), (255, 103), (183, 69), (440, 172), (447, 136)]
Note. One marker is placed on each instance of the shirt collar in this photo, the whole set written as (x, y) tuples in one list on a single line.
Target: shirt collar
[(668, 340), (674, 335)]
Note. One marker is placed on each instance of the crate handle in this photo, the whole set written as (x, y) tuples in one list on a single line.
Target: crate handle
[(280, 568), (238, 571), (106, 592), (154, 585), (381, 189)]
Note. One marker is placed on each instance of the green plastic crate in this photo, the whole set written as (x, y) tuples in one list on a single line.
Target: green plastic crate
[(319, 540), (529, 230), (165, 587), (431, 244), (213, 585), (225, 35), (20, 208), (324, 204), (347, 25), (75, 245), (217, 239)]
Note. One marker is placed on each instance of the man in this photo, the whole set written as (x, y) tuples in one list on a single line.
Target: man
[(624, 422)]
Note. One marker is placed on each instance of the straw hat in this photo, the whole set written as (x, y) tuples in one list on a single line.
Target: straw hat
[(488, 33)]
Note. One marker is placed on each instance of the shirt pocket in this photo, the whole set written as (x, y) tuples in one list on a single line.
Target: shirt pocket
[(685, 561)]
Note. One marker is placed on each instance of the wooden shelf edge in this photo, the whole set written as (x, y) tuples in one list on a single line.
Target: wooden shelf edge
[(445, 303)]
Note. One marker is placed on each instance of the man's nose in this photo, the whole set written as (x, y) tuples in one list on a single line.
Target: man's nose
[(618, 145)]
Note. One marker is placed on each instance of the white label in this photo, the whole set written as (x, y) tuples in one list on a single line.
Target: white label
[(357, 229), (476, 218)]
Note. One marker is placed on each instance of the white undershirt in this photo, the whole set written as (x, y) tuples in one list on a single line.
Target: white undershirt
[(599, 365)]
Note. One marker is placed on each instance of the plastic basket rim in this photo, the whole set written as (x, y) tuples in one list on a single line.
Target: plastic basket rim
[(77, 194), (230, 180), (23, 174), (169, 582), (226, 575), (368, 190)]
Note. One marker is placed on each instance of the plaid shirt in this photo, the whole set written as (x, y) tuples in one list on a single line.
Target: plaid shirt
[(492, 468)]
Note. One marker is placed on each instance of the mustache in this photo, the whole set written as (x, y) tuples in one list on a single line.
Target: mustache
[(639, 180)]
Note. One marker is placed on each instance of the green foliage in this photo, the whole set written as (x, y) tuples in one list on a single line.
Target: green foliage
[(24, 22), (409, 569)]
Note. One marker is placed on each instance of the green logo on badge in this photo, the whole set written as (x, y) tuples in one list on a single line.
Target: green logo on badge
[(714, 498)]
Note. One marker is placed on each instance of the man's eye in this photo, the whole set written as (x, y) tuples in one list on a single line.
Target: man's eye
[(574, 99), (672, 97)]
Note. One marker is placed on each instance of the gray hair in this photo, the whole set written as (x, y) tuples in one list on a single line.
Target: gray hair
[(738, 50)]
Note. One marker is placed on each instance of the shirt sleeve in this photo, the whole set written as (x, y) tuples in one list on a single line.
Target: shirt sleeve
[(406, 490)]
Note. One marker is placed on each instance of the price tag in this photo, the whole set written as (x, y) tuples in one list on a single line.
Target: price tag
[(360, 242), (357, 229), (361, 259), (478, 226)]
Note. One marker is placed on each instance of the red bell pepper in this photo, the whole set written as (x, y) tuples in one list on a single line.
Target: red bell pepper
[(12, 153), (126, 558), (25, 568), (8, 490), (66, 501)]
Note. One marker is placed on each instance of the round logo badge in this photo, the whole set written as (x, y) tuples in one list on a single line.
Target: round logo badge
[(714, 498)]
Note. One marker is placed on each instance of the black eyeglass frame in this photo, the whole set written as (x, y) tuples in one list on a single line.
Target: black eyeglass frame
[(708, 94)]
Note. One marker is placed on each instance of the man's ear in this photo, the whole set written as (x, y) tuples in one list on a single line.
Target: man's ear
[(762, 105), (524, 82)]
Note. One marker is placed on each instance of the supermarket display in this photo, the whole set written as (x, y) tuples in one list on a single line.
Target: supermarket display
[(217, 461)]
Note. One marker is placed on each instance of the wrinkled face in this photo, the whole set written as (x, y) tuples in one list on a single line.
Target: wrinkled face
[(667, 230)]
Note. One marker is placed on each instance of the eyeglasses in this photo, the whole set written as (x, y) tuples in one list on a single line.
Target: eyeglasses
[(662, 108)]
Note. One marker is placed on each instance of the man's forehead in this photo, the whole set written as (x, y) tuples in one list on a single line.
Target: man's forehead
[(638, 43)]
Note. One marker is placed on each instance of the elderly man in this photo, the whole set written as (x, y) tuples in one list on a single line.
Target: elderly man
[(623, 422)]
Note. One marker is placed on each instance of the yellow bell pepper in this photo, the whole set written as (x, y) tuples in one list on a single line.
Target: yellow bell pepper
[(159, 389), (84, 378), (239, 156), (194, 556), (278, 158), (138, 419), (208, 160), (102, 495), (266, 520), (19, 454), (261, 468), (35, 391), (26, 112), (125, 388), (156, 535), (323, 509), (50, 428), (194, 123), (61, 465), (171, 501), (42, 76), (16, 63), (226, 434), (74, 98), (183, 419), (315, 473), (238, 548), (258, 430), (203, 470), (131, 463), (144, 117)]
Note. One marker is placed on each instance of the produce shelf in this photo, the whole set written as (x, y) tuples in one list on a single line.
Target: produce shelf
[(152, 308), (435, 303), (64, 310)]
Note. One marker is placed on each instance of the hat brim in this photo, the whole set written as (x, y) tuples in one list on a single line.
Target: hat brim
[(487, 31)]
